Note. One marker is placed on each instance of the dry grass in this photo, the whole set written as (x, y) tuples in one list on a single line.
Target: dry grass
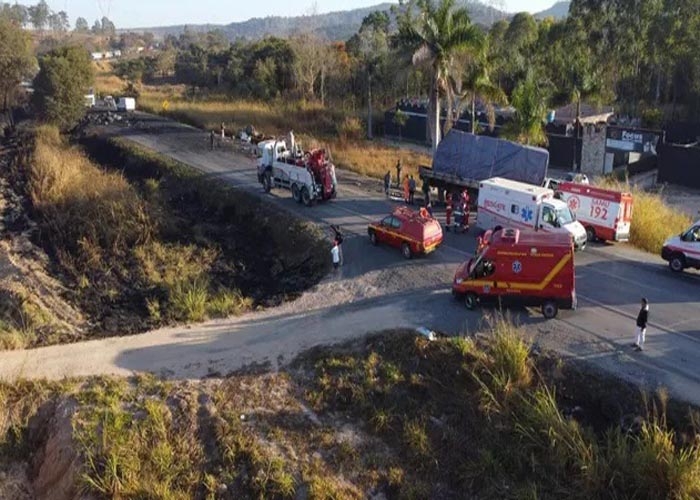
[(315, 126), (653, 221), (106, 82)]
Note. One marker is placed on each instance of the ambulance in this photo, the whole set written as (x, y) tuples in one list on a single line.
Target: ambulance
[(605, 214), (520, 267), (683, 251), (503, 202)]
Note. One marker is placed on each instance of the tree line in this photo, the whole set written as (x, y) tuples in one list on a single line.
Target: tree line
[(40, 17)]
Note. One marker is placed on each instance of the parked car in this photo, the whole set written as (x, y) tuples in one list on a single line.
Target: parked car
[(553, 183), (408, 230)]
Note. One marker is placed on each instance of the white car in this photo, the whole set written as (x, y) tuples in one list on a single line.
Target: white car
[(683, 251)]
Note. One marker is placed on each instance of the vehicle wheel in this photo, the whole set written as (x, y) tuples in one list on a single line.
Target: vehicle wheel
[(677, 263), (471, 301), (406, 251), (373, 238), (296, 194), (267, 182), (306, 197), (590, 234), (550, 309)]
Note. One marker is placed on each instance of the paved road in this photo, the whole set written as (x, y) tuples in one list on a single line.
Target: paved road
[(377, 289)]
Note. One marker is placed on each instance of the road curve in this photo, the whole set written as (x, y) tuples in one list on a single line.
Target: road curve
[(376, 289)]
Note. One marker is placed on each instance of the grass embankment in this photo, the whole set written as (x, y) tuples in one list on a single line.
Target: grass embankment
[(394, 414), (653, 221), (171, 246)]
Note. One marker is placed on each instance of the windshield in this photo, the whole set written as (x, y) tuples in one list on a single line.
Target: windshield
[(564, 216)]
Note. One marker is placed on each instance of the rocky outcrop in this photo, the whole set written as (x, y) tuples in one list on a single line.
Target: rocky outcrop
[(55, 465)]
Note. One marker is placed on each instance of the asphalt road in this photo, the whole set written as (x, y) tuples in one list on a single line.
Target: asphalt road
[(377, 289)]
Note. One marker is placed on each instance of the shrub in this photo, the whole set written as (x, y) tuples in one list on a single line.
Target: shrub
[(653, 221), (350, 129)]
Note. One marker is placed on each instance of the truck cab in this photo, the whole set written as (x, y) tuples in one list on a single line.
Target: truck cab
[(683, 251)]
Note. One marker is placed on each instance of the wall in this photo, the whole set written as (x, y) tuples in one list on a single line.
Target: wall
[(679, 165), (593, 149)]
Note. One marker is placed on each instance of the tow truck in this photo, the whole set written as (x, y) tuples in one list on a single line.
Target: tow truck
[(309, 175)]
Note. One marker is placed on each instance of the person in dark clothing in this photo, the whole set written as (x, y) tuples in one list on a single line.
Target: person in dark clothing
[(387, 182), (211, 140), (411, 190), (642, 319), (426, 191), (398, 173)]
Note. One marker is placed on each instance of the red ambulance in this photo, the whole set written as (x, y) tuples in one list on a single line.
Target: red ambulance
[(520, 267), (606, 214)]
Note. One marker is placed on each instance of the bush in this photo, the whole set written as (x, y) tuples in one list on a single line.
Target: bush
[(350, 129), (652, 220)]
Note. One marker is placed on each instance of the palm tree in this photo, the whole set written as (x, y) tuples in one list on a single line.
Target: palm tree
[(439, 33), (476, 84), (530, 102)]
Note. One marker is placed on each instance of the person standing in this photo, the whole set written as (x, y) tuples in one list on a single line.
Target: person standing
[(339, 240), (398, 173), (642, 319), (448, 211), (387, 182), (411, 190), (223, 131), (212, 135), (335, 254)]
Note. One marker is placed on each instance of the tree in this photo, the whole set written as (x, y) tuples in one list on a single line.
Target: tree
[(58, 22), (81, 25), (476, 85), (436, 37), (400, 119), (530, 102), (370, 45), (65, 75), (309, 53), (16, 60), (16, 13), (107, 26), (39, 15), (131, 70), (97, 27)]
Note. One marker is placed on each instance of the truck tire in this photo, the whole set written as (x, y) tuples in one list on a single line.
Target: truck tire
[(296, 194), (550, 309), (677, 263), (267, 182), (306, 197), (373, 238), (590, 234), (406, 250), (471, 301)]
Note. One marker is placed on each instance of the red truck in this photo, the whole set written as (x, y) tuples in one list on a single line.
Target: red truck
[(520, 268), (606, 214), (408, 230)]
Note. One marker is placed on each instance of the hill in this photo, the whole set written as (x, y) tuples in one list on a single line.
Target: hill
[(339, 25), (558, 11)]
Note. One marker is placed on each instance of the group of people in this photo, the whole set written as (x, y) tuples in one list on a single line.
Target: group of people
[(460, 209)]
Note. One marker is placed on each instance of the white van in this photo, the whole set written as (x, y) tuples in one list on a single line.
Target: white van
[(504, 202), (683, 251)]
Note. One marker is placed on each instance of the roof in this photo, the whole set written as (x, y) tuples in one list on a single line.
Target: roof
[(518, 186), (409, 214), (532, 239), (605, 194), (589, 114)]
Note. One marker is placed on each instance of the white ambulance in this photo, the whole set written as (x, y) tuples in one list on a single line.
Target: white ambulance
[(503, 202), (683, 251), (605, 214)]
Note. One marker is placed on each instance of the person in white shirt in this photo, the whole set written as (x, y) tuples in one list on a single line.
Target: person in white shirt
[(335, 253)]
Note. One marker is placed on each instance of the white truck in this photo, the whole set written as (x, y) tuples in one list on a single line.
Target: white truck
[(126, 104), (503, 202), (309, 175), (683, 251)]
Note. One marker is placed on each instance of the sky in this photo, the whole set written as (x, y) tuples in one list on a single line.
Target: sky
[(148, 13)]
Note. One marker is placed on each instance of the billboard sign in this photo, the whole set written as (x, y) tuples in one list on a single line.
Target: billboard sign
[(631, 140)]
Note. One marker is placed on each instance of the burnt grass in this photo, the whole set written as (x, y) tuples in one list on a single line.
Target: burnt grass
[(266, 255)]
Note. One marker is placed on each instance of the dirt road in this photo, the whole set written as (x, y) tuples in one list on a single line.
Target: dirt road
[(377, 289)]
